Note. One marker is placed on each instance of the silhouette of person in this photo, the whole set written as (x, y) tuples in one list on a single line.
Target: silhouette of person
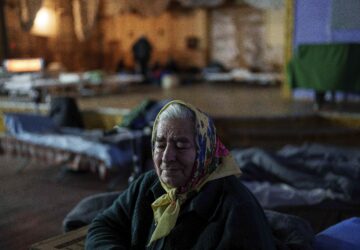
[(142, 49)]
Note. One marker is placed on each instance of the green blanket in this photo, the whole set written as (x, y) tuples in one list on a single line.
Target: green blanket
[(326, 67)]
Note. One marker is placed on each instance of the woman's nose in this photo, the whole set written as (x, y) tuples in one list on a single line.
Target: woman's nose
[(169, 154)]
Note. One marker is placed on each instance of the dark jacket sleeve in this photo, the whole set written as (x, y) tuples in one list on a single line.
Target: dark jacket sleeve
[(246, 226), (112, 229)]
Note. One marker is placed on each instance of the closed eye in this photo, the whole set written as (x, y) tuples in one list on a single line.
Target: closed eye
[(160, 145), (183, 145)]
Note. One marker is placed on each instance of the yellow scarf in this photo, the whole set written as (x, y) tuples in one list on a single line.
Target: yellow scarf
[(216, 164)]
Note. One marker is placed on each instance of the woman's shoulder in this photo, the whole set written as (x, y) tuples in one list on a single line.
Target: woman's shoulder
[(146, 180), (236, 192), (150, 175), (146, 184)]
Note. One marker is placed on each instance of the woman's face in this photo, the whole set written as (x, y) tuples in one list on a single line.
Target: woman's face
[(175, 151)]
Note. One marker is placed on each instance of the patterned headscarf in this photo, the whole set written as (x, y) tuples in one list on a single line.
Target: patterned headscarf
[(213, 161)]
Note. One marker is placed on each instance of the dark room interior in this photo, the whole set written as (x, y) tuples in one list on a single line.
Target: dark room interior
[(82, 82)]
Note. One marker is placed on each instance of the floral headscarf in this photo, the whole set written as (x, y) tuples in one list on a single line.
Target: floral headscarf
[(213, 161)]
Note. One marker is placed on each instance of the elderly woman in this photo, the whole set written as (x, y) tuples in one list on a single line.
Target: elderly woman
[(193, 199)]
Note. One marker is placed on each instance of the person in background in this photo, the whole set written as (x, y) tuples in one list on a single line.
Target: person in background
[(142, 50), (191, 200)]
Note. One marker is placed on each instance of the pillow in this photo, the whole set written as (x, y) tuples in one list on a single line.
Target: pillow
[(341, 236)]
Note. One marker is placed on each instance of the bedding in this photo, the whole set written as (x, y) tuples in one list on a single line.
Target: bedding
[(324, 171), (318, 182), (30, 132)]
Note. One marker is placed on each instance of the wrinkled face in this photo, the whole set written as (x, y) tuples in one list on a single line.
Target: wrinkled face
[(175, 151)]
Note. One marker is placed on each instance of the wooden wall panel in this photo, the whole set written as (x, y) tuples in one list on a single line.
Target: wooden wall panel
[(64, 48), (22, 44), (194, 29), (167, 33)]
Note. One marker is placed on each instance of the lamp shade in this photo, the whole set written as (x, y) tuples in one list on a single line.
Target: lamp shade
[(45, 23)]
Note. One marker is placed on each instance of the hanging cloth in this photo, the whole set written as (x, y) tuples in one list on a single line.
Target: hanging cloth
[(201, 3), (263, 4), (27, 12), (85, 17), (114, 7), (149, 7)]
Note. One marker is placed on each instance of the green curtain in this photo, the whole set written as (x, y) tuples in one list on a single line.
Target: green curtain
[(326, 67)]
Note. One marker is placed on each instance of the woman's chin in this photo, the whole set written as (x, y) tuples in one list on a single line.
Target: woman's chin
[(171, 180)]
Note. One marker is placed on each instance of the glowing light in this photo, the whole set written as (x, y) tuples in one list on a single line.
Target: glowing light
[(24, 65), (45, 23)]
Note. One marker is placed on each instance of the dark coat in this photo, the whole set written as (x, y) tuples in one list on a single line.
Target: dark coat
[(142, 50), (224, 215)]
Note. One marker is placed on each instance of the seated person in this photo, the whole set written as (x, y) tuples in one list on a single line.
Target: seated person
[(193, 199)]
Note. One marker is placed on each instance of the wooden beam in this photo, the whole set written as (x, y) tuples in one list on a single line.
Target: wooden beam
[(3, 33), (289, 33)]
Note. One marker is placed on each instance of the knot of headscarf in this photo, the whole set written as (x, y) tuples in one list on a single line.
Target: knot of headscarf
[(213, 161), (166, 210)]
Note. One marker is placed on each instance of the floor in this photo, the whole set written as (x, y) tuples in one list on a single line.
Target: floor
[(217, 99), (35, 200)]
